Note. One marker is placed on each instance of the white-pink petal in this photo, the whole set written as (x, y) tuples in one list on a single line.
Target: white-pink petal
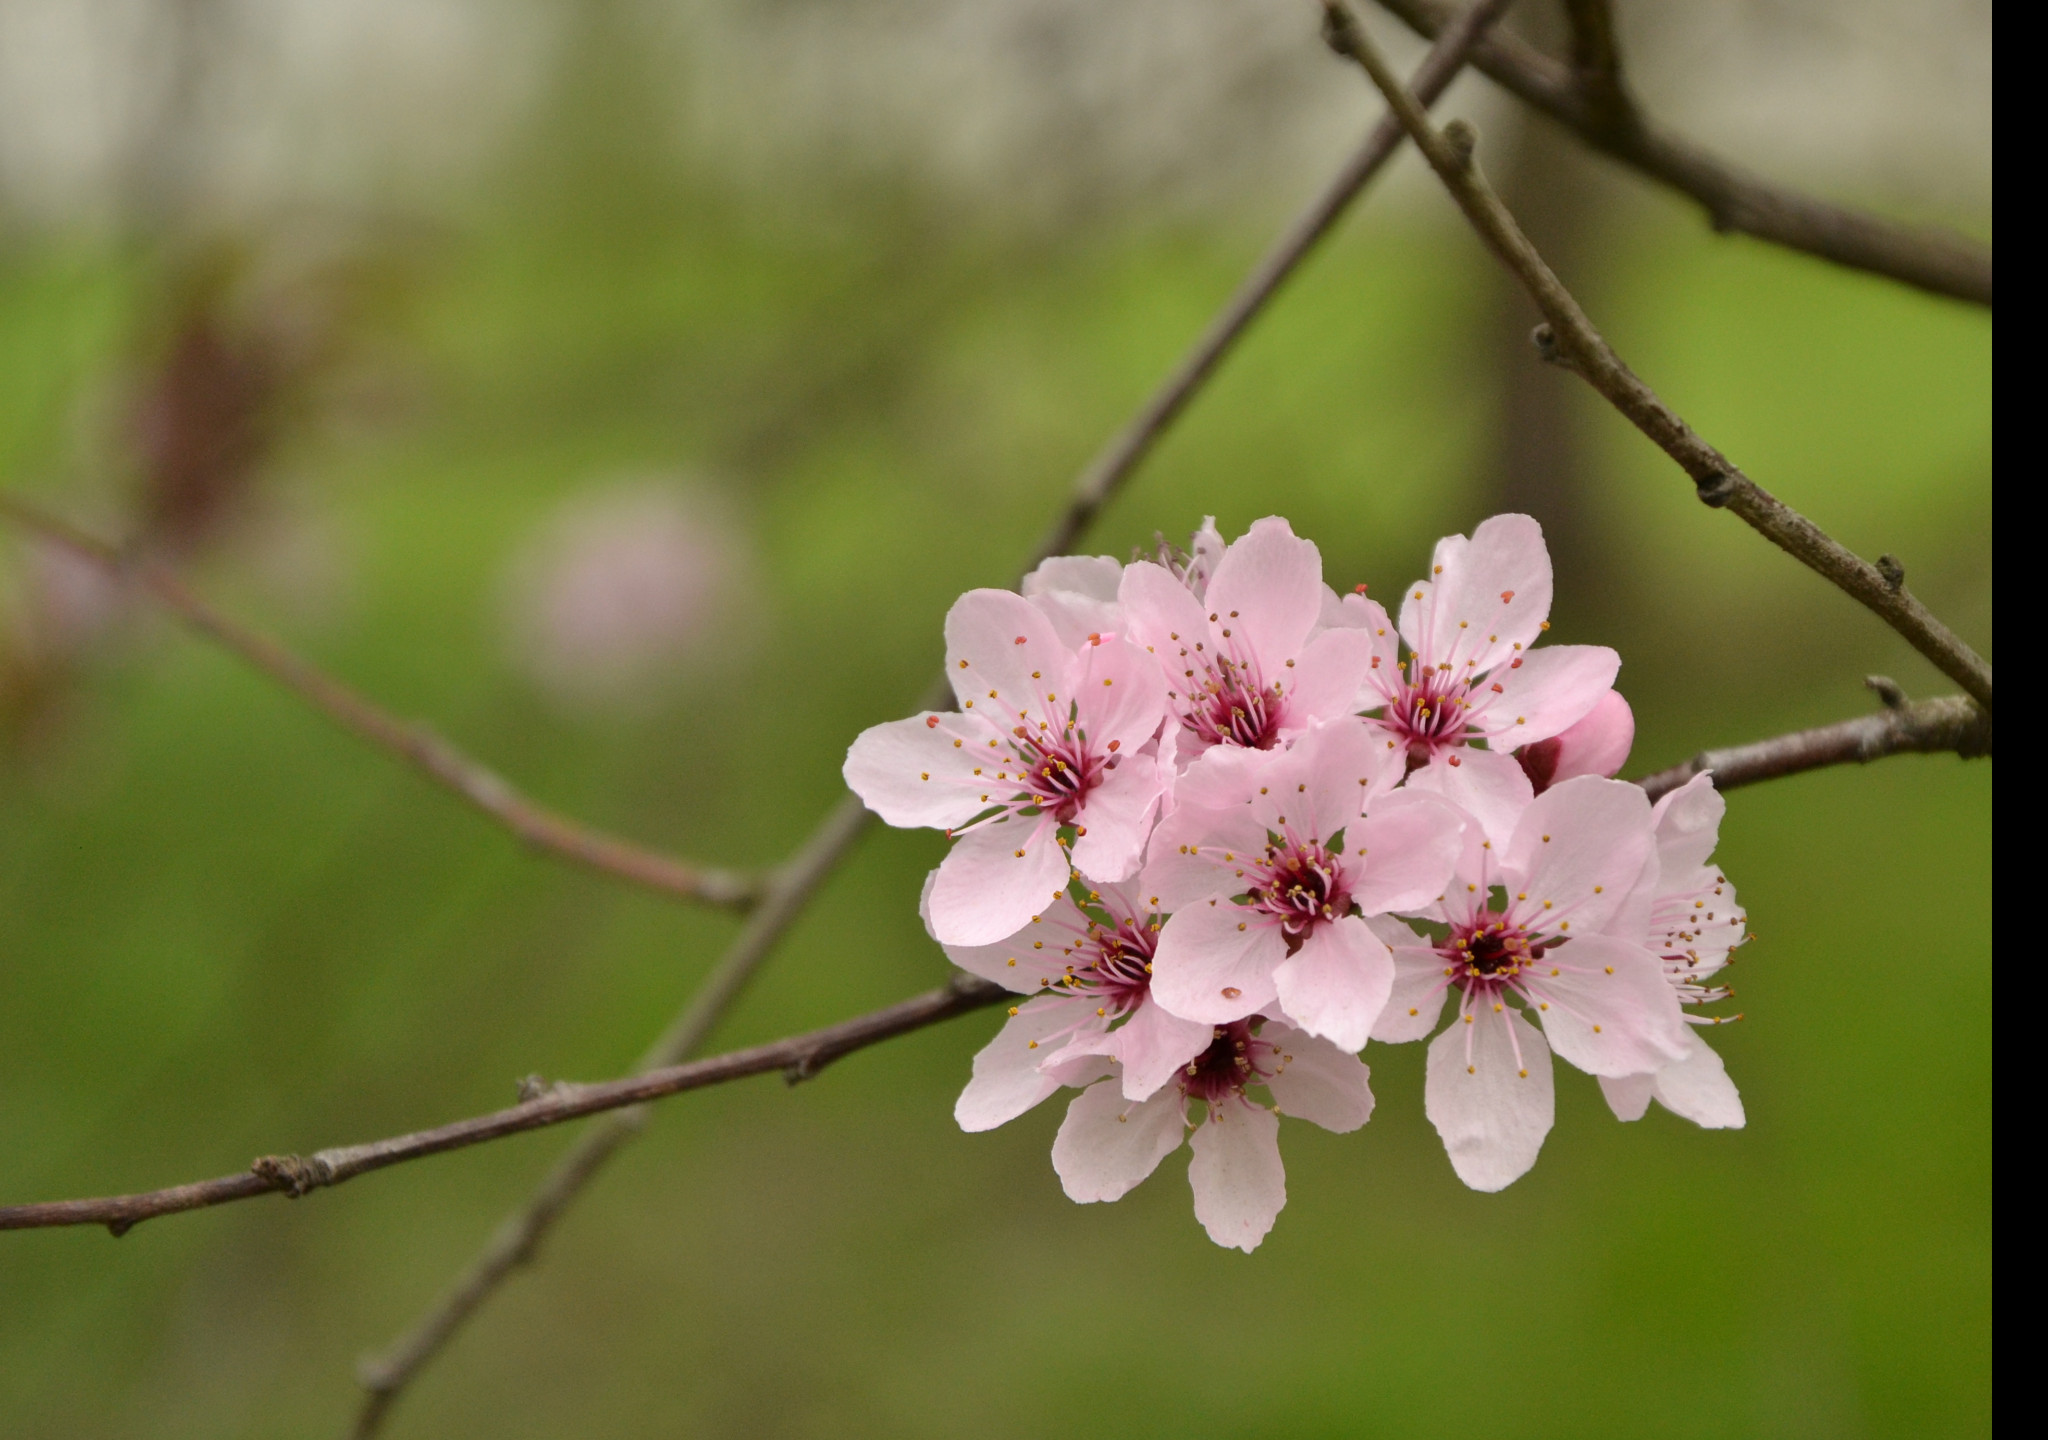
[(995, 641), (913, 774), (1402, 854), (1383, 663), (1606, 1006), (1215, 962), (1267, 592), (994, 879), (1698, 1088), (1490, 1095), (1197, 852), (1108, 1144), (1122, 699), (1596, 744), (1324, 683), (1488, 786), (1008, 1079), (1335, 771), (1551, 690), (1581, 846), (1153, 1045), (1117, 817), (1158, 607), (1688, 825), (1078, 594), (1337, 983), (1417, 999), (1238, 1180), (1023, 961), (1628, 1096), (1485, 599), (1317, 1081)]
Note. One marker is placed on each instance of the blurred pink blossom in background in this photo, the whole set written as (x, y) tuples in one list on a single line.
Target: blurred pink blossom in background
[(621, 587)]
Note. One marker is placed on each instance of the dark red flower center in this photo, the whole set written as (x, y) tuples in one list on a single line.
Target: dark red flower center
[(1115, 964), (1490, 950), (1429, 713), (1235, 1058), (1235, 707), (1058, 771), (1300, 884)]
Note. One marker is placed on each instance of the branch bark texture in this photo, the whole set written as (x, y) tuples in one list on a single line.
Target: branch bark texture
[(1949, 725), (534, 824), (1937, 260), (1569, 338), (799, 1057)]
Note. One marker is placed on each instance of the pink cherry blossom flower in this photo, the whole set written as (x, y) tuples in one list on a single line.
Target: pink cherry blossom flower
[(1310, 839), (1693, 924), (1540, 925), (1047, 736), (1087, 972), (1472, 674), (1078, 594), (1246, 661), (1597, 744), (1109, 1142)]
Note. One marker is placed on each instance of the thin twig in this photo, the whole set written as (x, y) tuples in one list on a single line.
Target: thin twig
[(799, 1057), (519, 1235), (1570, 339), (534, 824), (1596, 62), (386, 1374), (1938, 260), (1952, 724)]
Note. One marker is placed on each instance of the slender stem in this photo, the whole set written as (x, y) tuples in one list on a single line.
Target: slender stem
[(1937, 260), (1951, 724), (1446, 58), (536, 825), (517, 1237), (799, 1057), (1596, 64), (1570, 339)]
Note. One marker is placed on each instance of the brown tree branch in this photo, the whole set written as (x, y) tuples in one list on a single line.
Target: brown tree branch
[(536, 825), (1596, 64), (516, 1239), (1570, 338), (798, 1057), (1938, 260), (1952, 724), (519, 1235)]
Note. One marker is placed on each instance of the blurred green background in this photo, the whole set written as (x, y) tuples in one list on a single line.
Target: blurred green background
[(227, 929)]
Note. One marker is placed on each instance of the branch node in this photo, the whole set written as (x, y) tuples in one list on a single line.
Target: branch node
[(1887, 690), (1973, 742), (118, 1228), (1547, 349), (296, 1175), (1463, 140), (1716, 490), (1340, 29), (1894, 571)]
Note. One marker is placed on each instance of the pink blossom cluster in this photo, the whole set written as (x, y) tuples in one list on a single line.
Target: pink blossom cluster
[(1224, 828)]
